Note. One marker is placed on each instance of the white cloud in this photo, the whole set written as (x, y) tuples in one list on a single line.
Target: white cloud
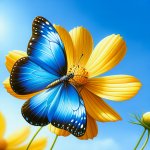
[(104, 144), (107, 144), (98, 144)]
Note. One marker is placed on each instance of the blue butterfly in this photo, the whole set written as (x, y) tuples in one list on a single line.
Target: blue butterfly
[(45, 70)]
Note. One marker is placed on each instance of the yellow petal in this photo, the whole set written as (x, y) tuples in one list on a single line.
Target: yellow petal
[(97, 108), (83, 44), (65, 37), (57, 131), (12, 57), (106, 55), (38, 144), (7, 86), (91, 129), (18, 137), (116, 87), (2, 125), (3, 144)]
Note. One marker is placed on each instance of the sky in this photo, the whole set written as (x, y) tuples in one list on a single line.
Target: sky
[(130, 19)]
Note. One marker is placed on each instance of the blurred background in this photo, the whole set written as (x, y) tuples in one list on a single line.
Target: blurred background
[(129, 18)]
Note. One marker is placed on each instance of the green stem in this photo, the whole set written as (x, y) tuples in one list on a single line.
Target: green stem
[(54, 142), (144, 145), (33, 138), (140, 139)]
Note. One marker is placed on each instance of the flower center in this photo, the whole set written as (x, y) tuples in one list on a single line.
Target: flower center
[(80, 75), (3, 144)]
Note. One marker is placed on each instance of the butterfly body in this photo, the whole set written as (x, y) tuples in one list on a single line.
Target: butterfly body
[(64, 79), (44, 70)]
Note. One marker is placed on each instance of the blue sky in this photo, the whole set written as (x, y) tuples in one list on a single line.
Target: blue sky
[(131, 19)]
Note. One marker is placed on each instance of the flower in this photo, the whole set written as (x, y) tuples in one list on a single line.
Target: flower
[(15, 141), (146, 119), (88, 80)]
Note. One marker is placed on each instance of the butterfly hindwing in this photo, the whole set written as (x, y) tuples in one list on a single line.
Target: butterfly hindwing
[(28, 77), (61, 106), (70, 114), (35, 110), (46, 46)]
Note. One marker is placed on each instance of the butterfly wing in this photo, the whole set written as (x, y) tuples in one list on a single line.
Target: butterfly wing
[(35, 110), (28, 77), (61, 106), (45, 63), (70, 113), (46, 46)]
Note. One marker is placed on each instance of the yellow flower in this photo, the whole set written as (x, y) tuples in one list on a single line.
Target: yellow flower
[(146, 119), (88, 80), (16, 140)]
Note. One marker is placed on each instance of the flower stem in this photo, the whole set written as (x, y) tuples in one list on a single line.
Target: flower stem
[(54, 142), (33, 138), (140, 139), (144, 145)]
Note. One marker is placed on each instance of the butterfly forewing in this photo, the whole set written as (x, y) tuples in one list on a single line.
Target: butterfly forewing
[(28, 77), (46, 45)]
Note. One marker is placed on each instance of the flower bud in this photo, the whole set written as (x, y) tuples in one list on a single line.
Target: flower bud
[(146, 119)]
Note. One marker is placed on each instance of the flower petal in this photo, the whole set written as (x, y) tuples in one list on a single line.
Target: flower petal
[(91, 129), (2, 125), (97, 108), (106, 55), (83, 44), (57, 131), (38, 144), (67, 41), (7, 86), (18, 137), (12, 57), (116, 87)]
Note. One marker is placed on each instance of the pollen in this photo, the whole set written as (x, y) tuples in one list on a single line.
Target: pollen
[(80, 75)]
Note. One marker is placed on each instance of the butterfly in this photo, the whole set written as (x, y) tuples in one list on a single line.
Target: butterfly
[(44, 71)]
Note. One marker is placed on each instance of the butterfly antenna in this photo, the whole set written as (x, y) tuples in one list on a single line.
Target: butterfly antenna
[(78, 63)]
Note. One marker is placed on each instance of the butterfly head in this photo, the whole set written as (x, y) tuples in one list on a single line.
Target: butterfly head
[(70, 76)]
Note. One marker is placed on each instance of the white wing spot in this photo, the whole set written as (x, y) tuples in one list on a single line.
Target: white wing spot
[(47, 22)]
